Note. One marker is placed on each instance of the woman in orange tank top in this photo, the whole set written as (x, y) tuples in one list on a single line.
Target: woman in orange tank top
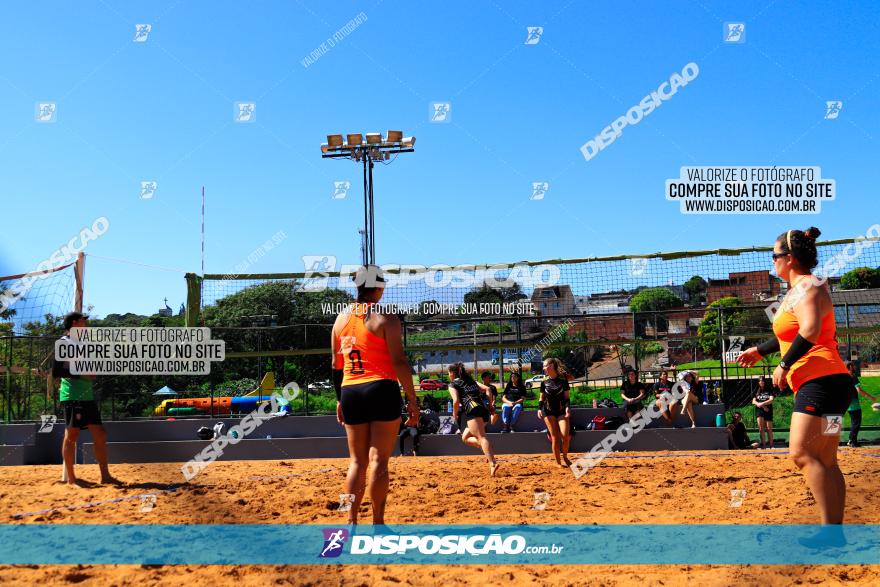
[(368, 362), (811, 366)]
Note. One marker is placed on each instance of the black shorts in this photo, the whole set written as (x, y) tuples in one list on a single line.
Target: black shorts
[(764, 413), (830, 394), (375, 401), (480, 411), (634, 408), (81, 414), (560, 413)]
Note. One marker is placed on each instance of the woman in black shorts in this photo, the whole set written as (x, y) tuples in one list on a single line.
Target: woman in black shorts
[(368, 362), (468, 400), (555, 411), (762, 399), (632, 393), (811, 366)]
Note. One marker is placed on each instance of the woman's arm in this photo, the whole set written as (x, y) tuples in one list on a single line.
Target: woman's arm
[(456, 404), (391, 329), (865, 393), (336, 365)]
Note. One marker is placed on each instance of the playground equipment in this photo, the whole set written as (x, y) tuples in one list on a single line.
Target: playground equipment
[(194, 406)]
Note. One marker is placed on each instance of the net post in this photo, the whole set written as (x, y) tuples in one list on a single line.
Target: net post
[(79, 273), (193, 299)]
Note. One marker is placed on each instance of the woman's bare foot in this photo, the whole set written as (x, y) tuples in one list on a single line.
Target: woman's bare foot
[(566, 461), (493, 468), (110, 480)]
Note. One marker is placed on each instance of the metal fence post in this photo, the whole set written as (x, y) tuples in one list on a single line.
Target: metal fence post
[(723, 363)]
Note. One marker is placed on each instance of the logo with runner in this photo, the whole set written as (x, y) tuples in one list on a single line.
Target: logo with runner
[(148, 502), (47, 422), (832, 109), (638, 266), (833, 424), (533, 36), (440, 112), (736, 497), (334, 539), (539, 190), (734, 32)]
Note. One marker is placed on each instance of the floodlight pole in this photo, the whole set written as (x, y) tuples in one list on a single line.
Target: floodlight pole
[(367, 152), (369, 251)]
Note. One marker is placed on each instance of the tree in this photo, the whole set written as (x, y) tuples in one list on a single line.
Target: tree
[(696, 288), (709, 330), (6, 313), (485, 294), (860, 278), (655, 299)]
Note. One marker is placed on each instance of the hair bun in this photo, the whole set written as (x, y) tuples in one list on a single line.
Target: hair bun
[(812, 233)]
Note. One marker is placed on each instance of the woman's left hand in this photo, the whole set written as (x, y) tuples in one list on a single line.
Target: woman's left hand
[(413, 409), (779, 377), (567, 413)]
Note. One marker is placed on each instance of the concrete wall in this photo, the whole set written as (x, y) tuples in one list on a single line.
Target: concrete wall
[(179, 452), (21, 444)]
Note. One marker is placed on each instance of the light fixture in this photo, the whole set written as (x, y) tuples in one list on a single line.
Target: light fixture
[(374, 148)]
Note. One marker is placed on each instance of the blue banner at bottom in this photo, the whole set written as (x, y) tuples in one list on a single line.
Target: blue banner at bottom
[(276, 544)]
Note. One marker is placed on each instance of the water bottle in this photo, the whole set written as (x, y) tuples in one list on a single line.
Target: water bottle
[(449, 406), (719, 421)]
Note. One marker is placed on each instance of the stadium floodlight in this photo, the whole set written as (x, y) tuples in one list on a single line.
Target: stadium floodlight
[(374, 148), (334, 143)]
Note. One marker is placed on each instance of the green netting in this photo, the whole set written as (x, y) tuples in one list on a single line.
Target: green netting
[(29, 300)]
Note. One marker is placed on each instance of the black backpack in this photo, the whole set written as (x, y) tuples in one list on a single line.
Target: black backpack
[(614, 422), (607, 403)]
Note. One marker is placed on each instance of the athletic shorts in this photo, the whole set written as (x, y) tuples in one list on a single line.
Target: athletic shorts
[(633, 408), (374, 401), (480, 411), (81, 414), (560, 413), (830, 394), (764, 413)]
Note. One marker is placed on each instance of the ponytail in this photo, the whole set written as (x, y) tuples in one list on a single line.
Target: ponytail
[(460, 372), (801, 245)]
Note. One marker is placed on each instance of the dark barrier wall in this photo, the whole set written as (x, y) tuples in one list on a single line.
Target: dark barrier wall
[(22, 444), (178, 452)]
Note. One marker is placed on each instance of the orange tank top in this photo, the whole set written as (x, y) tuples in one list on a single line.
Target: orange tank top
[(364, 355), (821, 360)]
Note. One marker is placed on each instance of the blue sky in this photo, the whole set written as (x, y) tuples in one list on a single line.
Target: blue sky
[(163, 110)]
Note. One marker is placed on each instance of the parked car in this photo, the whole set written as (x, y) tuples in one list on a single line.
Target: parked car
[(319, 386), (432, 385), (535, 381)]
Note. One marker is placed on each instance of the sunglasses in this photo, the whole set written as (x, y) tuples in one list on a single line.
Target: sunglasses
[(778, 255)]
